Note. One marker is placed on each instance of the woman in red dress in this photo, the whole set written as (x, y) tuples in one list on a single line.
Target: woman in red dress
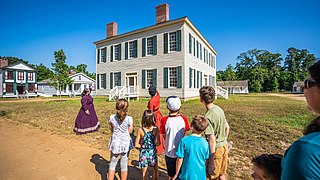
[(154, 105)]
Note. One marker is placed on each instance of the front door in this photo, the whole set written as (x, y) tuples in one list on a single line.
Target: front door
[(20, 89), (131, 82)]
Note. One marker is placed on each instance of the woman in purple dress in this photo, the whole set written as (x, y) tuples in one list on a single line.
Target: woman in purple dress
[(87, 120)]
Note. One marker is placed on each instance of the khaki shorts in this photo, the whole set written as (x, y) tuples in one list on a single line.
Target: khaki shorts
[(220, 163)]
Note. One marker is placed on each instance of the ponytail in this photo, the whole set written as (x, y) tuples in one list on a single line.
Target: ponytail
[(122, 108)]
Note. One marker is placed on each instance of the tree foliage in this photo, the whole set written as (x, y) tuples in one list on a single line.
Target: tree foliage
[(60, 78), (264, 71)]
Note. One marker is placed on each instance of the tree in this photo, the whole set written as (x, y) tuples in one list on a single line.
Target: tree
[(43, 72), (229, 74), (60, 79)]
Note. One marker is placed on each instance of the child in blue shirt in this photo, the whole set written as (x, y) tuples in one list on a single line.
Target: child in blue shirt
[(192, 152)]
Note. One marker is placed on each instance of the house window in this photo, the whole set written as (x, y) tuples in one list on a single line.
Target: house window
[(9, 87), (79, 78), (191, 77), (131, 49), (102, 81), (173, 41), (20, 75), (117, 52), (149, 77), (31, 88), (30, 76), (9, 75), (190, 43), (173, 77), (103, 54), (116, 79), (150, 46)]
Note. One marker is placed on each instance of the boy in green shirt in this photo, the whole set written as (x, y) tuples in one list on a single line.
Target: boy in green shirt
[(217, 134)]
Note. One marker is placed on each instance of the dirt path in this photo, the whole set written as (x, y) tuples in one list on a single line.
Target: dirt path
[(299, 97), (29, 153)]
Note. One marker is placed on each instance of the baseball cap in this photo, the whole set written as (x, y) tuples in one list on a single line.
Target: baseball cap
[(173, 103)]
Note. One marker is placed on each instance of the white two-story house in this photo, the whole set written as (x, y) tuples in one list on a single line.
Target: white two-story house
[(171, 55)]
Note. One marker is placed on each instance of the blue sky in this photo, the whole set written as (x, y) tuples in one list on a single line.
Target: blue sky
[(33, 30)]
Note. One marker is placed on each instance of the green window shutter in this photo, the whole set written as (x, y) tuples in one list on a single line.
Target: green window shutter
[(194, 46), (165, 43), (35, 77), (155, 45), (119, 78), (200, 79), (143, 47), (27, 85), (111, 80), (119, 50), (200, 51), (197, 49), (190, 77), (14, 82), (190, 43), (154, 79), (165, 77), (135, 45), (194, 78), (98, 81), (98, 56), (179, 78), (179, 40), (111, 53), (126, 50), (105, 81), (143, 79)]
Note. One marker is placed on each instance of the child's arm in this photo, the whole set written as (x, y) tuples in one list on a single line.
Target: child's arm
[(157, 136), (137, 143), (178, 167), (111, 127), (130, 128)]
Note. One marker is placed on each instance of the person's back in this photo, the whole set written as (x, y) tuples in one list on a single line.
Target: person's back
[(218, 122), (302, 159)]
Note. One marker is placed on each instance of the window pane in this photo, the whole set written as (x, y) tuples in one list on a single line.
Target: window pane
[(102, 81), (150, 46), (173, 41), (116, 52), (173, 77), (115, 79), (131, 49), (149, 78)]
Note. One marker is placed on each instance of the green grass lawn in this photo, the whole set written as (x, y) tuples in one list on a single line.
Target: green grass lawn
[(259, 123)]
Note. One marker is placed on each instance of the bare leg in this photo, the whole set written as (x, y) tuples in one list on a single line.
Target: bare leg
[(111, 174), (144, 173), (124, 175), (155, 172)]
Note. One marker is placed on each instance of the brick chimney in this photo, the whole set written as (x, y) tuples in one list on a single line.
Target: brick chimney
[(112, 29), (3, 63), (162, 13)]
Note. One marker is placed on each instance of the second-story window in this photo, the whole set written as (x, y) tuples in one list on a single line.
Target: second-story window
[(9, 75), (173, 41), (20, 75), (150, 46), (30, 76), (117, 52), (131, 49)]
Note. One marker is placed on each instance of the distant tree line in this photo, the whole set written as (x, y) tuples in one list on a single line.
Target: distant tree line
[(267, 72), (44, 72)]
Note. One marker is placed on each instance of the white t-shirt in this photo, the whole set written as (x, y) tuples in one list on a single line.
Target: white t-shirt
[(175, 128)]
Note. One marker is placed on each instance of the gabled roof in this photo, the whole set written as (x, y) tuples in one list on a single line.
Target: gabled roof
[(10, 66), (160, 25), (232, 83), (73, 75)]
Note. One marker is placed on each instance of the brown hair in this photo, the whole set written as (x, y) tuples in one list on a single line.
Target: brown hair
[(314, 126), (207, 94), (314, 71), (147, 119), (122, 108), (270, 163), (199, 123), (84, 92)]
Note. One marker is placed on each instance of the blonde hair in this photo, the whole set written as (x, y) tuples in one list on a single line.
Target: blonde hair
[(122, 108)]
